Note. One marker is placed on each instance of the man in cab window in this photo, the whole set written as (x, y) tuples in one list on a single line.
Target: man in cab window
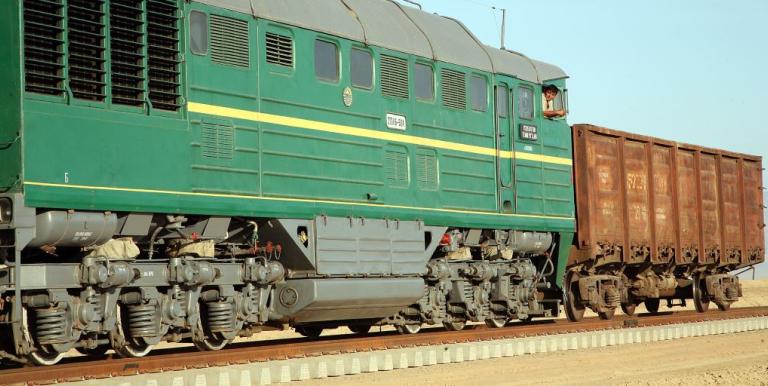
[(550, 95)]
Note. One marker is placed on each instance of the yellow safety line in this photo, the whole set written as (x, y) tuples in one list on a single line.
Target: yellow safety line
[(287, 199), (366, 133)]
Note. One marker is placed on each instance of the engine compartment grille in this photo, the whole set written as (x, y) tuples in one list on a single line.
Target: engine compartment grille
[(44, 46), (85, 29), (124, 51), (127, 51), (164, 55)]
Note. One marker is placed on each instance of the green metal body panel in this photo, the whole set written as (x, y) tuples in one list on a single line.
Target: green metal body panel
[(10, 97), (102, 156)]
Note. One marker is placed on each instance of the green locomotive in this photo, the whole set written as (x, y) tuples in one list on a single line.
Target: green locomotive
[(201, 170)]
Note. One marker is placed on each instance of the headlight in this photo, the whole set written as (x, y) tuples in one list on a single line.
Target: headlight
[(6, 210)]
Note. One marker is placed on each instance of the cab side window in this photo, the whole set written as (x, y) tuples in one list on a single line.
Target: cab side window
[(502, 101), (424, 82), (361, 63), (525, 102), (198, 33), (326, 61), (552, 105), (479, 89)]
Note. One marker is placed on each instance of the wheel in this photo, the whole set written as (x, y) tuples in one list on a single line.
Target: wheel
[(700, 297), (42, 357), (574, 310), (724, 306), (527, 320), (408, 329), (652, 305), (211, 344), (210, 341), (309, 331), (455, 325), (496, 322), (132, 348), (360, 329), (135, 349), (628, 308), (99, 351), (608, 314)]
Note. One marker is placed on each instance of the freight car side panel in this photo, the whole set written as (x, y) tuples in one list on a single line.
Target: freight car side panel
[(732, 196), (636, 169), (688, 207), (606, 214), (754, 227), (664, 213), (712, 239)]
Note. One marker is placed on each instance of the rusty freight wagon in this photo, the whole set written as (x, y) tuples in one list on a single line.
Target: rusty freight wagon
[(660, 220)]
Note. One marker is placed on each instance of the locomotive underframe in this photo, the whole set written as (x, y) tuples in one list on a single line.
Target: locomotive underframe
[(94, 281)]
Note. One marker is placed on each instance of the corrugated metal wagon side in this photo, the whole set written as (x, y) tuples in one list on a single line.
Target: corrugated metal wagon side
[(660, 220)]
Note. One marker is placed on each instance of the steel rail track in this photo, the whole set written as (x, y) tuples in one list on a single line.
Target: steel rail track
[(81, 368)]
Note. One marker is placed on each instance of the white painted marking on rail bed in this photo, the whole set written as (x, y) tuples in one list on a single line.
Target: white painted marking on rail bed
[(284, 371)]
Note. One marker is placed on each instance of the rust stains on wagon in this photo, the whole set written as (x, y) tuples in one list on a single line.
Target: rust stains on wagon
[(660, 220)]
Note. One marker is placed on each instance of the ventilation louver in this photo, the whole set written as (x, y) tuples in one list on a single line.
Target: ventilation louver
[(426, 169), (279, 49), (86, 36), (454, 87), (229, 41), (396, 166), (44, 46), (127, 51), (164, 56), (218, 141), (394, 77)]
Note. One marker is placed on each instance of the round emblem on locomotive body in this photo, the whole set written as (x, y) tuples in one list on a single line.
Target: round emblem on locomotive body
[(289, 296), (347, 96)]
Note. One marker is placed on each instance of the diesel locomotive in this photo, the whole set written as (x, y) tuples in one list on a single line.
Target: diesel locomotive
[(199, 170)]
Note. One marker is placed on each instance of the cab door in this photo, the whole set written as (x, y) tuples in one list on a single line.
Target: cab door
[(504, 147)]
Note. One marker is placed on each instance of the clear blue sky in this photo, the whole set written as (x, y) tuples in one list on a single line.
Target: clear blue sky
[(690, 71)]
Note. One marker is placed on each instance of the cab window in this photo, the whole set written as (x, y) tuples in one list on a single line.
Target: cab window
[(525, 102), (361, 63), (502, 101), (552, 102), (198, 33), (479, 89), (326, 60), (424, 82)]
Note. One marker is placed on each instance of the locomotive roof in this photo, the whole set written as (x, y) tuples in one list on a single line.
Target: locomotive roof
[(388, 24)]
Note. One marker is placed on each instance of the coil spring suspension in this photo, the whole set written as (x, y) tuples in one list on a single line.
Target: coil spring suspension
[(221, 317), (731, 293), (612, 296), (95, 309), (50, 325), (142, 320)]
